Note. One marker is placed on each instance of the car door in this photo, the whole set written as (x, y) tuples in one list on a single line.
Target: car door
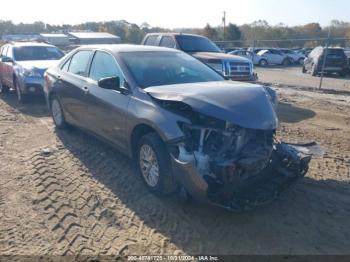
[(8, 66), (275, 57), (106, 109), (2, 65), (73, 86)]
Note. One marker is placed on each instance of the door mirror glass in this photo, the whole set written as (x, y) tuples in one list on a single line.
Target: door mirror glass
[(112, 83)]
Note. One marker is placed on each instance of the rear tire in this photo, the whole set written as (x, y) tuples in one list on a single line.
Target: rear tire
[(154, 166), (57, 113), (3, 89)]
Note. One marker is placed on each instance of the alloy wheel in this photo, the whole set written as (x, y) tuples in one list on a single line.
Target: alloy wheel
[(149, 165)]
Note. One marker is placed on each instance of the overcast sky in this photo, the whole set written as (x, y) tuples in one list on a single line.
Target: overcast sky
[(176, 13)]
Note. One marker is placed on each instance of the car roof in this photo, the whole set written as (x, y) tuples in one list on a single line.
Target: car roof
[(20, 44), (174, 34), (120, 48)]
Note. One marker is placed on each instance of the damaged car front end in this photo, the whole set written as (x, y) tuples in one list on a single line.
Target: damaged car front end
[(229, 155)]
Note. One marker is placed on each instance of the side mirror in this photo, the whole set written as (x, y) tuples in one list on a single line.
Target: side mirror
[(112, 83), (6, 59)]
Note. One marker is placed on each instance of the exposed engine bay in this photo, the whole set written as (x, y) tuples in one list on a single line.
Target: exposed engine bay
[(235, 162), (229, 155)]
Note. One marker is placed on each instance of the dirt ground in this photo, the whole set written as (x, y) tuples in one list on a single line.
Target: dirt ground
[(64, 192)]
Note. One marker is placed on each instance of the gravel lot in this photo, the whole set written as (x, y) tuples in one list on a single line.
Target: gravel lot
[(64, 192), (292, 76)]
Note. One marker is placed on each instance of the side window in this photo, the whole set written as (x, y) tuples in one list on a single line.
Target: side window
[(4, 51), (79, 62), (151, 40), (9, 52), (66, 65), (103, 65), (167, 41)]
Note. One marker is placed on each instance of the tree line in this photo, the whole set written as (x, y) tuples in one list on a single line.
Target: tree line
[(256, 33)]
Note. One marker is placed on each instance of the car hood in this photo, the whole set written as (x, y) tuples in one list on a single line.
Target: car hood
[(222, 56), (38, 64), (243, 104)]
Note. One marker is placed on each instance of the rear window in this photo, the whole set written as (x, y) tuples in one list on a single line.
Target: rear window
[(335, 52)]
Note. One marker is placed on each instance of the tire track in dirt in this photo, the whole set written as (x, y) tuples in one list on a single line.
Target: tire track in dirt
[(83, 213)]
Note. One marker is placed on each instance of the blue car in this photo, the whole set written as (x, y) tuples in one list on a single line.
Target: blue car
[(22, 67)]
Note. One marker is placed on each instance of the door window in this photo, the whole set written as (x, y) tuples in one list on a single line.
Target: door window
[(66, 66), (151, 40), (79, 62), (103, 65), (4, 50), (167, 41)]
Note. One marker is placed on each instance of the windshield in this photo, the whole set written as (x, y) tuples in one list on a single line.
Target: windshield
[(190, 43), (167, 68), (27, 53)]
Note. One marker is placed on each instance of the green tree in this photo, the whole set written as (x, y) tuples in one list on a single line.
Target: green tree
[(134, 34), (210, 32), (233, 32)]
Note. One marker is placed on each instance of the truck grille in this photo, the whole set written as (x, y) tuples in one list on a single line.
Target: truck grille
[(238, 69)]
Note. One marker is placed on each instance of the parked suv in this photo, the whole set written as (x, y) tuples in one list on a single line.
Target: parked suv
[(200, 47), (22, 67), (336, 61)]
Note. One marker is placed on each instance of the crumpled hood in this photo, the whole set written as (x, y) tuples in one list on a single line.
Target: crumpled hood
[(243, 104), (37, 64), (222, 56)]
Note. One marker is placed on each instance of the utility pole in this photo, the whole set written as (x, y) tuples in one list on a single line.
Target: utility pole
[(325, 57), (224, 21)]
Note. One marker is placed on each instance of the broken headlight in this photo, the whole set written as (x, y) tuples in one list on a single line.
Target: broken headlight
[(272, 95)]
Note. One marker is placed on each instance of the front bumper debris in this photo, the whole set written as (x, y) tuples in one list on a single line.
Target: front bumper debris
[(288, 164)]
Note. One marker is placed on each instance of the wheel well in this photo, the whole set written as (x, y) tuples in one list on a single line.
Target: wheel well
[(137, 133)]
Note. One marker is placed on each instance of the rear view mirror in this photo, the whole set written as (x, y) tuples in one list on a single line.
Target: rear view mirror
[(112, 83)]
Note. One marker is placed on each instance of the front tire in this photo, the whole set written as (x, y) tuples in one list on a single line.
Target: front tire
[(314, 70), (57, 113), (301, 61), (22, 98), (153, 164), (263, 63), (3, 89), (286, 62), (342, 73), (303, 70)]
